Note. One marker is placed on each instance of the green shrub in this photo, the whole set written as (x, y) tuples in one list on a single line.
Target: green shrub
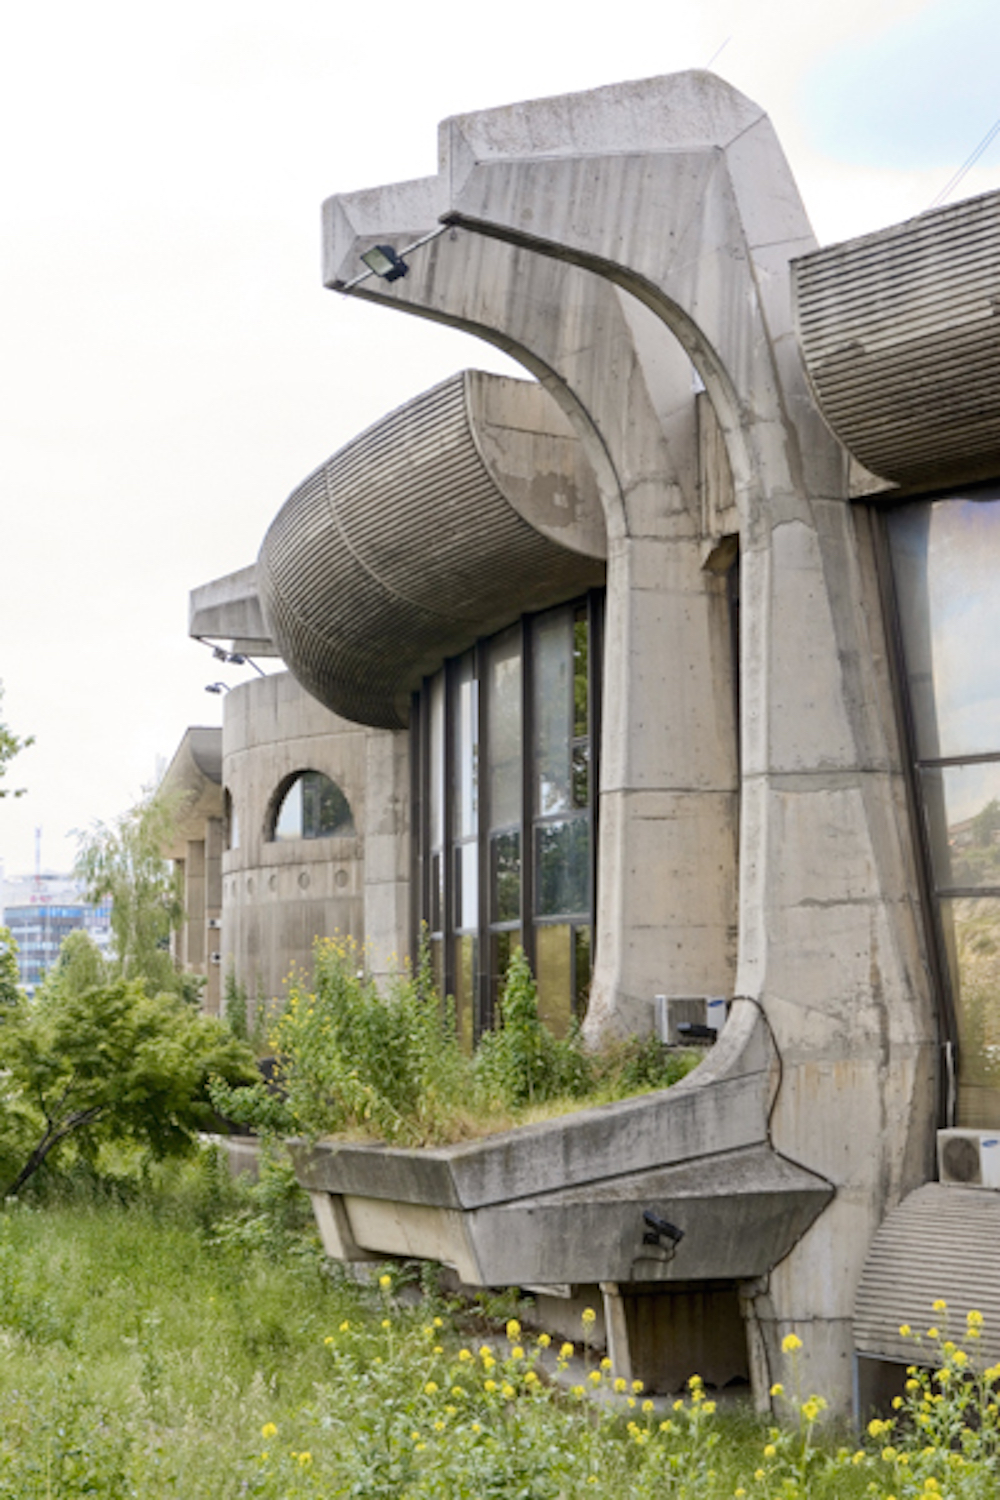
[(351, 1059)]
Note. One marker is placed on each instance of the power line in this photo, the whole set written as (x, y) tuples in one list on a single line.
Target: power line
[(966, 166)]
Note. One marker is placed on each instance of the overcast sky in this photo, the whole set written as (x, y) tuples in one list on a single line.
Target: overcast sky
[(171, 366)]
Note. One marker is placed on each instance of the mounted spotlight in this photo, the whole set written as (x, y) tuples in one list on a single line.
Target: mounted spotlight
[(216, 687), (385, 262)]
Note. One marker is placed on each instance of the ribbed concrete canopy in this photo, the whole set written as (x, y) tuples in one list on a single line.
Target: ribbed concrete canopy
[(901, 336), (442, 523)]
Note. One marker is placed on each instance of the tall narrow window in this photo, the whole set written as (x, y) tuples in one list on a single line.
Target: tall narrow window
[(946, 561), (506, 835)]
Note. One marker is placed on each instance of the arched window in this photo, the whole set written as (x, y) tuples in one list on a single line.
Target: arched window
[(310, 806)]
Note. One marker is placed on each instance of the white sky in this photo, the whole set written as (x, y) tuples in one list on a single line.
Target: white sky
[(171, 366)]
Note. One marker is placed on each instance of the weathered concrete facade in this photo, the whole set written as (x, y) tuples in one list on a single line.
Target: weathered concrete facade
[(745, 782)]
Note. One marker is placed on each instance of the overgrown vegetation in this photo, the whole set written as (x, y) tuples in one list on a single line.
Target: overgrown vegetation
[(389, 1065), (92, 1059), (157, 1350)]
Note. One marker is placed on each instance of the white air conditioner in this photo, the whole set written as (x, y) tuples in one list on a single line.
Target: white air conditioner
[(215, 958), (689, 1018), (214, 923), (969, 1158)]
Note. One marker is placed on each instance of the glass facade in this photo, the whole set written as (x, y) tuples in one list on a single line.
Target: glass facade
[(506, 738), (945, 563)]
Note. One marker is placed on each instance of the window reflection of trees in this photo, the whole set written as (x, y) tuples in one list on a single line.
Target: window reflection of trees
[(311, 807), (506, 788), (945, 561)]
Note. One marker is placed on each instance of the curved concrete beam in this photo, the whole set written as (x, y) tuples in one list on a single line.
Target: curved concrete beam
[(584, 233), (444, 522)]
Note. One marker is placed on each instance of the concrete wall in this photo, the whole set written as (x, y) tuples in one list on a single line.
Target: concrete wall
[(610, 241), (278, 897)]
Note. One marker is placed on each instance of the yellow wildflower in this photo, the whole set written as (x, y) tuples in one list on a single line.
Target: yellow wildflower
[(791, 1343), (939, 1305), (621, 1386), (905, 1330), (588, 1317), (594, 1377), (566, 1352), (385, 1282), (638, 1387), (777, 1389), (268, 1430), (544, 1341), (513, 1330)]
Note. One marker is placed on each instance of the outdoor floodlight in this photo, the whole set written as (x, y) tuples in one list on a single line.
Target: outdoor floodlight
[(216, 687), (384, 261)]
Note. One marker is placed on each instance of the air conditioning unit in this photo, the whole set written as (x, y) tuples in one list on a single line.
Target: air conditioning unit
[(215, 958), (214, 923), (969, 1158), (684, 1019)]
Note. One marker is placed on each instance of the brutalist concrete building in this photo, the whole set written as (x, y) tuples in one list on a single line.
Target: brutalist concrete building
[(678, 663)]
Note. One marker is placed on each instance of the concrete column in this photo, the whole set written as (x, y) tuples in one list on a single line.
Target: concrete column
[(194, 904), (213, 912), (387, 851)]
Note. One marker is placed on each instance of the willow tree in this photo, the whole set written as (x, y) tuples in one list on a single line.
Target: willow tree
[(10, 745), (121, 862)]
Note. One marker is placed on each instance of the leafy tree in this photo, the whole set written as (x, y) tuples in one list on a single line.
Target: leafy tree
[(10, 991), (112, 1062), (10, 745), (121, 862)]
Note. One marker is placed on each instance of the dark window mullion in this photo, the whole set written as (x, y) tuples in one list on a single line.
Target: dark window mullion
[(527, 792), (483, 1017), (448, 851), (419, 821)]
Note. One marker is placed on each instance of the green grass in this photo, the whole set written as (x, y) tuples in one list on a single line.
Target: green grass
[(146, 1349)]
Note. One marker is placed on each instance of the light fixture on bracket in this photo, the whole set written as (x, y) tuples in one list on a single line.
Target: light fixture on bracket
[(386, 262), (217, 687)]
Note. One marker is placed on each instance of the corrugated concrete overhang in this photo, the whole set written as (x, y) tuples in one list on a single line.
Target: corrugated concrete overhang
[(194, 779), (900, 331), (940, 1243), (444, 522)]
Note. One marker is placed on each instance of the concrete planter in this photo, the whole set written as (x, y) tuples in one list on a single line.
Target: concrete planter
[(579, 1199)]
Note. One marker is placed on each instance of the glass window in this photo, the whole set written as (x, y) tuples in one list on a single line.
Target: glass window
[(505, 836), (312, 807), (945, 561)]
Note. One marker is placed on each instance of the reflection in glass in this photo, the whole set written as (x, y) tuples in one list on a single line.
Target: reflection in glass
[(465, 989), (314, 807), (436, 756), (581, 681), (963, 821), (503, 945), (467, 886), (506, 865), (581, 945), (466, 749), (553, 712), (972, 937), (562, 867), (504, 728), (946, 561), (554, 976), (581, 775)]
